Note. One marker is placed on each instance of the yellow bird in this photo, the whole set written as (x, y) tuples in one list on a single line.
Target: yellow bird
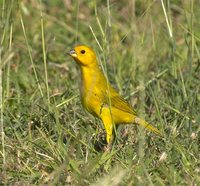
[(99, 97)]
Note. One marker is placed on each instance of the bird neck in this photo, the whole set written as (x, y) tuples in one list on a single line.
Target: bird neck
[(89, 73), (89, 78)]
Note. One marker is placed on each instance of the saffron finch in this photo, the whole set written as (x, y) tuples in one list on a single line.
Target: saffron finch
[(99, 97)]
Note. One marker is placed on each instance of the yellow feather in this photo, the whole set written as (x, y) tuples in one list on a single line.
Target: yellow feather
[(100, 98)]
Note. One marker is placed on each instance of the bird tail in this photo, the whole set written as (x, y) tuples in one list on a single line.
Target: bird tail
[(142, 122)]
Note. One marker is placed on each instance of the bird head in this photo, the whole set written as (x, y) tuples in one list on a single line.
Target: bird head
[(83, 55)]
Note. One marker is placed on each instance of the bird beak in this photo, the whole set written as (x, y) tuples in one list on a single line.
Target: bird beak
[(72, 53)]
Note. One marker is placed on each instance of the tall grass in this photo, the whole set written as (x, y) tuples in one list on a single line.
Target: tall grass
[(149, 51)]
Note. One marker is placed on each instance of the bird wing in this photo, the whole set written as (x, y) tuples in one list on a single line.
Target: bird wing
[(116, 101), (119, 103)]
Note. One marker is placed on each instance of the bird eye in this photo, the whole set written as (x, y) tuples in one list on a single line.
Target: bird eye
[(82, 51)]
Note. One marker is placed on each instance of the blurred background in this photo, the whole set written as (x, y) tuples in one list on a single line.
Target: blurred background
[(150, 52)]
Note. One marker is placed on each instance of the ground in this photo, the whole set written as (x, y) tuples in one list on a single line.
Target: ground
[(150, 52)]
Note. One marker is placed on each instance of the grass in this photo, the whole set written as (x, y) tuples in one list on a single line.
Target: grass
[(150, 52)]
